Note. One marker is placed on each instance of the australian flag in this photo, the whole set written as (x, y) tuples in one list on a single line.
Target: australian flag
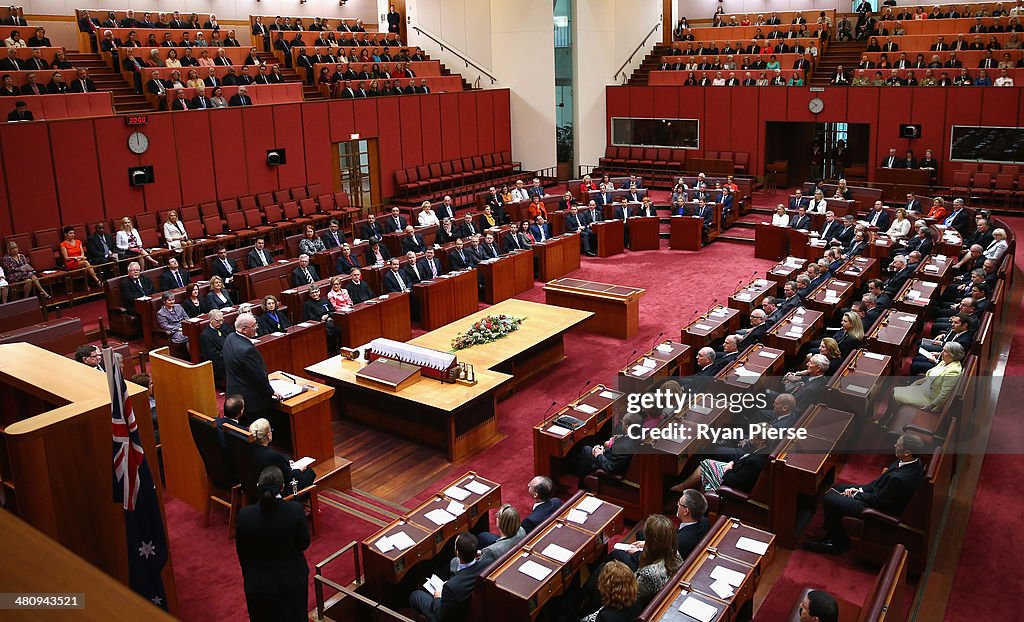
[(135, 491)]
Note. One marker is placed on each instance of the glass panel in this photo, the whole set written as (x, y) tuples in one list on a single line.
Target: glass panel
[(671, 133)]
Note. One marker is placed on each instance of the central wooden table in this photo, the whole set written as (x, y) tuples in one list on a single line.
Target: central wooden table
[(616, 308)]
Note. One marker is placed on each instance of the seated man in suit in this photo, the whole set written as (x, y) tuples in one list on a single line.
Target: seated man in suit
[(135, 286), (801, 220), (514, 240), (511, 530), (575, 223), (962, 327), (304, 274), (791, 299), (371, 229), (707, 212), (395, 223), (807, 386), (890, 494), (334, 237), (447, 232), (540, 490), (540, 229), (234, 406), (412, 269), (211, 345), (706, 370), (224, 267), (460, 257), (100, 247), (615, 455), (451, 602), (691, 511), (412, 241), (730, 350), (430, 266), (174, 277), (259, 256), (467, 228), (395, 280), (877, 217), (358, 289), (488, 248)]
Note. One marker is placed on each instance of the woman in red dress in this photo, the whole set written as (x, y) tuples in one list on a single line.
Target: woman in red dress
[(73, 254)]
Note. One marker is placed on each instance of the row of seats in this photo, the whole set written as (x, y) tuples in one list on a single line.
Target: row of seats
[(1005, 187), (67, 106), (653, 159), (456, 177)]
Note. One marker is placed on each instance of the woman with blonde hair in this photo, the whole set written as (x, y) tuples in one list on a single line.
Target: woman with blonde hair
[(177, 238), (129, 243), (511, 530), (900, 226), (217, 298), (338, 296)]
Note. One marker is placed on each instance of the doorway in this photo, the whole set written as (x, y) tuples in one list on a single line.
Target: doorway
[(357, 171), (809, 148)]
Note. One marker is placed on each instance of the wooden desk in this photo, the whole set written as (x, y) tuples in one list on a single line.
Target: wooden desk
[(390, 575), (916, 296), (770, 241), (693, 579), (510, 595), (897, 182), (710, 327), (309, 416), (795, 330), (616, 308), (936, 268), (749, 296), (644, 233), (859, 270), (786, 271), (381, 317), (550, 446), (685, 233), (446, 299), (764, 361), (669, 359), (830, 296), (856, 384), (893, 334), (301, 345), (805, 467), (610, 235), (950, 244), (21, 313), (259, 282), (507, 276), (557, 256)]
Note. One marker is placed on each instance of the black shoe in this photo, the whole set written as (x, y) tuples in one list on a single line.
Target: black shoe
[(591, 254), (826, 546)]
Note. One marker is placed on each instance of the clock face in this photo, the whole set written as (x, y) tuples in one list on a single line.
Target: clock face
[(816, 105), (138, 142)]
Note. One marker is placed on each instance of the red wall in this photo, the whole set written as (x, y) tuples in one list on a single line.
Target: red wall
[(74, 171), (733, 119)]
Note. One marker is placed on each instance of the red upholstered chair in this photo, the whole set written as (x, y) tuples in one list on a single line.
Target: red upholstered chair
[(740, 162), (990, 168), (299, 193), (1003, 188), (210, 209), (254, 221), (238, 226), (146, 220), (753, 508), (247, 203), (263, 199), (48, 238), (280, 196), (215, 231), (310, 214), (982, 186), (189, 212), (292, 213), (622, 490), (711, 155), (961, 183), (402, 180)]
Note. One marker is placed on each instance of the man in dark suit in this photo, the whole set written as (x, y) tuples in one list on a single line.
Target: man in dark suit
[(797, 200), (540, 229), (100, 247), (693, 526), (20, 113), (173, 278), (334, 237), (223, 266), (831, 228), (575, 223), (411, 269), (211, 347), (460, 258), (961, 330), (891, 160), (241, 98), (446, 209), (180, 102), (234, 406), (430, 266), (889, 494), (371, 229), (245, 372), (707, 213), (614, 456), (83, 84), (801, 220), (304, 273), (877, 217), (394, 280), (514, 240), (135, 286), (358, 290), (451, 602), (467, 228), (412, 241), (395, 222), (958, 219), (488, 248), (201, 101), (259, 256), (706, 370)]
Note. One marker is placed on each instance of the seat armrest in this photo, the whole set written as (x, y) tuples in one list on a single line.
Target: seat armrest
[(729, 492), (880, 516)]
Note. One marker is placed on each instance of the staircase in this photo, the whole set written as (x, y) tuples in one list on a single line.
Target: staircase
[(309, 91), (845, 53), (650, 63), (466, 86), (126, 100)]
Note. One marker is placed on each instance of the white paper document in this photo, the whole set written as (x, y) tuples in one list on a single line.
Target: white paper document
[(702, 327), (608, 395), (477, 488), (743, 297), (872, 355), (401, 540), (649, 363), (384, 544), (640, 370), (558, 430), (857, 389), (589, 504), (585, 408), (285, 388), (439, 517), (622, 546), (302, 463), (433, 584), (455, 508), (723, 589), (907, 318), (534, 570), (698, 610), (733, 578), (557, 553), (456, 493), (575, 516), (768, 355), (743, 372), (753, 546), (664, 348)]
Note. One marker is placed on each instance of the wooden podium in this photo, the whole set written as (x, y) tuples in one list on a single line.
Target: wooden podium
[(611, 237), (644, 234), (616, 308), (685, 233), (770, 241)]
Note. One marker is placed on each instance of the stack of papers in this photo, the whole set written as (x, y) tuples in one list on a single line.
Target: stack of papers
[(398, 540), (534, 570), (589, 504), (857, 389), (456, 493), (477, 488), (558, 430), (302, 463), (753, 546), (730, 577), (640, 370), (722, 589), (698, 610), (743, 296), (649, 363), (702, 327), (455, 508), (439, 517), (872, 355), (575, 516), (608, 395), (664, 348), (557, 553), (585, 408)]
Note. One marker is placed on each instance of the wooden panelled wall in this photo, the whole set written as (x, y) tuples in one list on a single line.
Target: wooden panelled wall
[(733, 118), (74, 171)]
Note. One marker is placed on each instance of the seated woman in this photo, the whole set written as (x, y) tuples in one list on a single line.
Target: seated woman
[(3, 287), (938, 210), (796, 79), (205, 60), (842, 192), (311, 244), (193, 305), (338, 296), (217, 100), (19, 270), (72, 251), (830, 349), (218, 297), (659, 558), (510, 527), (265, 456), (129, 243), (172, 59), (997, 248), (537, 208), (177, 238), (194, 81), (170, 316), (900, 226), (848, 338), (276, 77), (174, 82), (780, 218), (618, 588), (741, 474), (272, 320), (938, 383)]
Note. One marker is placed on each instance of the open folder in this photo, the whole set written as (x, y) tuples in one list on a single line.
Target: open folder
[(285, 388)]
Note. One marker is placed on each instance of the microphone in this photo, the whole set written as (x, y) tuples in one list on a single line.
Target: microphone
[(584, 387), (656, 339), (545, 416), (289, 377), (630, 356)]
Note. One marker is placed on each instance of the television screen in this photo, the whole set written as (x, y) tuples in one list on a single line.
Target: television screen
[(987, 144)]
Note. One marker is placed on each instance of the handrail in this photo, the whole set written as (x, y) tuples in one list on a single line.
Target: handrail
[(461, 56), (642, 44)]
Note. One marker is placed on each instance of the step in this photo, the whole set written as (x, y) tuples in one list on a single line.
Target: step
[(736, 239)]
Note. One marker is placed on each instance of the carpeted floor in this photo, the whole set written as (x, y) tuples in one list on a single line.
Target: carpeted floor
[(679, 285)]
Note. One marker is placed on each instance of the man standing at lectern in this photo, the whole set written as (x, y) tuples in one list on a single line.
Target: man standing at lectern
[(245, 372)]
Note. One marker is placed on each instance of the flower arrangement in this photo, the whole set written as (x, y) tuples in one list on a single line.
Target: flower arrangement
[(490, 328)]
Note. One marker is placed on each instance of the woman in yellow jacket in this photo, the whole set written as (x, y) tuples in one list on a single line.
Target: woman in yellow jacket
[(932, 391)]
